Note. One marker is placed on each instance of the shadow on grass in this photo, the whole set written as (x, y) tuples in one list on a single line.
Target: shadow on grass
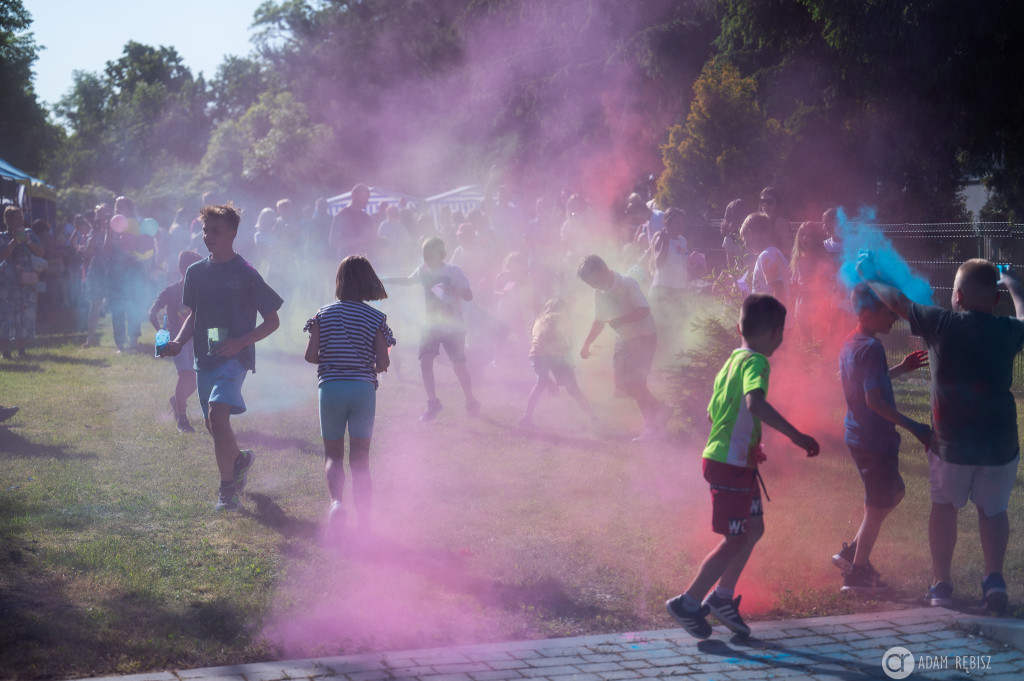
[(449, 571), (31, 362), (270, 442), (21, 366), (269, 514), (14, 446)]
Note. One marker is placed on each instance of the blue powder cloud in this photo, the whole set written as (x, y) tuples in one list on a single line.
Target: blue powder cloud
[(859, 233)]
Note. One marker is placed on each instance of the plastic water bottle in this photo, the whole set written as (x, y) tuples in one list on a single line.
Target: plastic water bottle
[(163, 336)]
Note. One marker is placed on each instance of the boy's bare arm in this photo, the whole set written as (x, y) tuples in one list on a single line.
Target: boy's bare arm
[(890, 296), (877, 404), (760, 408), (380, 348), (312, 354), (1009, 279), (188, 329), (595, 330)]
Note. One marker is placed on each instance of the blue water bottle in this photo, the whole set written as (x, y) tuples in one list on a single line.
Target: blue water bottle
[(163, 336)]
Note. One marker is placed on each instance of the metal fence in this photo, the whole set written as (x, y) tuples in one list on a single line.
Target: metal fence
[(935, 251)]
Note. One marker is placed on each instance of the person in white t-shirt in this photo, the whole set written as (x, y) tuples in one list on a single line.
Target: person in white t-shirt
[(771, 273)]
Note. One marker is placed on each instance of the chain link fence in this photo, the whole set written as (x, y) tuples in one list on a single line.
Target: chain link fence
[(935, 251)]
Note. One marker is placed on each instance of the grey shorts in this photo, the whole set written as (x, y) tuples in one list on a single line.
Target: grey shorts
[(988, 487), (633, 358)]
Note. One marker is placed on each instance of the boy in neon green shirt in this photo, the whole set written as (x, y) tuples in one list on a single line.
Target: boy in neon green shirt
[(737, 409)]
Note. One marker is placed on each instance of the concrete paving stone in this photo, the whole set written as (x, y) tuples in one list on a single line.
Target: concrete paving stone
[(485, 655), (433, 657), (445, 677), (615, 676), (508, 664), (673, 661), (595, 667), (525, 654), (601, 657), (343, 665), (496, 675), (794, 632), (576, 677), (808, 641), (634, 664), (534, 672), (571, 660), (411, 671), (1008, 676), (649, 654), (374, 675), (150, 676), (235, 677), (461, 668), (917, 638)]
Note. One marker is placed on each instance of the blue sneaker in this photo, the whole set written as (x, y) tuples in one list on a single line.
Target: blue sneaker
[(246, 458), (940, 595), (993, 591)]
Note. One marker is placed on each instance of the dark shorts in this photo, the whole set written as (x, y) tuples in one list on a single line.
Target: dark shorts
[(454, 343), (881, 476), (553, 366), (632, 359), (735, 496)]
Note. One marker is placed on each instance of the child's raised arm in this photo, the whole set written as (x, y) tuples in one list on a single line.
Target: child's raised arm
[(760, 408), (400, 281), (1010, 281)]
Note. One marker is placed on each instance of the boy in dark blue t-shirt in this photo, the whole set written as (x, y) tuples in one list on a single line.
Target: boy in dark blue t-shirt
[(224, 294), (871, 420)]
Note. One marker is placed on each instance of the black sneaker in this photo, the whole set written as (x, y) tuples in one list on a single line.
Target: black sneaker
[(174, 406), (863, 579), (993, 591), (184, 426), (940, 595), (695, 622), (844, 559), (433, 409), (7, 412), (727, 612), (227, 499), (473, 407), (246, 458)]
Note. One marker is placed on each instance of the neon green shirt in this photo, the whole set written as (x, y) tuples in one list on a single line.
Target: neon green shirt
[(735, 432)]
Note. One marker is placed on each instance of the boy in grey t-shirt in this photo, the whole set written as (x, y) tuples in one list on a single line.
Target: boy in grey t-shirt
[(225, 293)]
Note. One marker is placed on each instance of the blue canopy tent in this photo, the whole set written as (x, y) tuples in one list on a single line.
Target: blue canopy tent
[(38, 199)]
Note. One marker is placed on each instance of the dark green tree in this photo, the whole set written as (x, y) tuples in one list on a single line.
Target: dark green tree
[(26, 133)]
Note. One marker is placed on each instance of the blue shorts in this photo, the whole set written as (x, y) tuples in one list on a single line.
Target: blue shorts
[(347, 403), (186, 359), (222, 384)]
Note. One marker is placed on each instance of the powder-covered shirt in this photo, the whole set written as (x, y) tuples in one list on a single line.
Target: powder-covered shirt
[(974, 415), (863, 368), (735, 432), (621, 298), (225, 298), (771, 267), (347, 331), (441, 289), (548, 337)]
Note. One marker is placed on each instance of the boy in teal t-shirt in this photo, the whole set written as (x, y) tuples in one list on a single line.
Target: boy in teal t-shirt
[(737, 409)]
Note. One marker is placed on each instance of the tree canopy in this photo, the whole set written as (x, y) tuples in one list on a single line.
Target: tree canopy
[(882, 103)]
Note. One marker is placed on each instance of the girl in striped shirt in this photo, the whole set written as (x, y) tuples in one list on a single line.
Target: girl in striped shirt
[(349, 341)]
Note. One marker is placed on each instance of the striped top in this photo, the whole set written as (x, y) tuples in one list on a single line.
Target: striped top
[(347, 330)]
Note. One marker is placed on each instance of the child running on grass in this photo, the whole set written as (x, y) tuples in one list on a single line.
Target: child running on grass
[(175, 313), (445, 286), (871, 420), (549, 355), (975, 448), (349, 341), (737, 409), (224, 293)]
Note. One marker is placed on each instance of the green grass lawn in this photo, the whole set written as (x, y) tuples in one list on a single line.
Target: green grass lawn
[(113, 560)]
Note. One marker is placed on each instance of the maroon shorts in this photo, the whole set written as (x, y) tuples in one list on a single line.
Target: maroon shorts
[(735, 496)]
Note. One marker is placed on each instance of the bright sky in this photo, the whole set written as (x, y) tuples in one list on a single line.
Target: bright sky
[(85, 35)]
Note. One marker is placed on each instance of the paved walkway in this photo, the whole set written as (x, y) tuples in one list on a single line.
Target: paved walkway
[(940, 643)]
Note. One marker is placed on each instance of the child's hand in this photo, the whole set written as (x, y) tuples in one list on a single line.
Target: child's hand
[(866, 266), (759, 454), (1007, 273), (922, 432), (807, 443), (915, 360), (585, 352)]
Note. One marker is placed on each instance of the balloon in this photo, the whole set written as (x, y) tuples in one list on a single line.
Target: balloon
[(132, 226), (149, 227), (118, 223)]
